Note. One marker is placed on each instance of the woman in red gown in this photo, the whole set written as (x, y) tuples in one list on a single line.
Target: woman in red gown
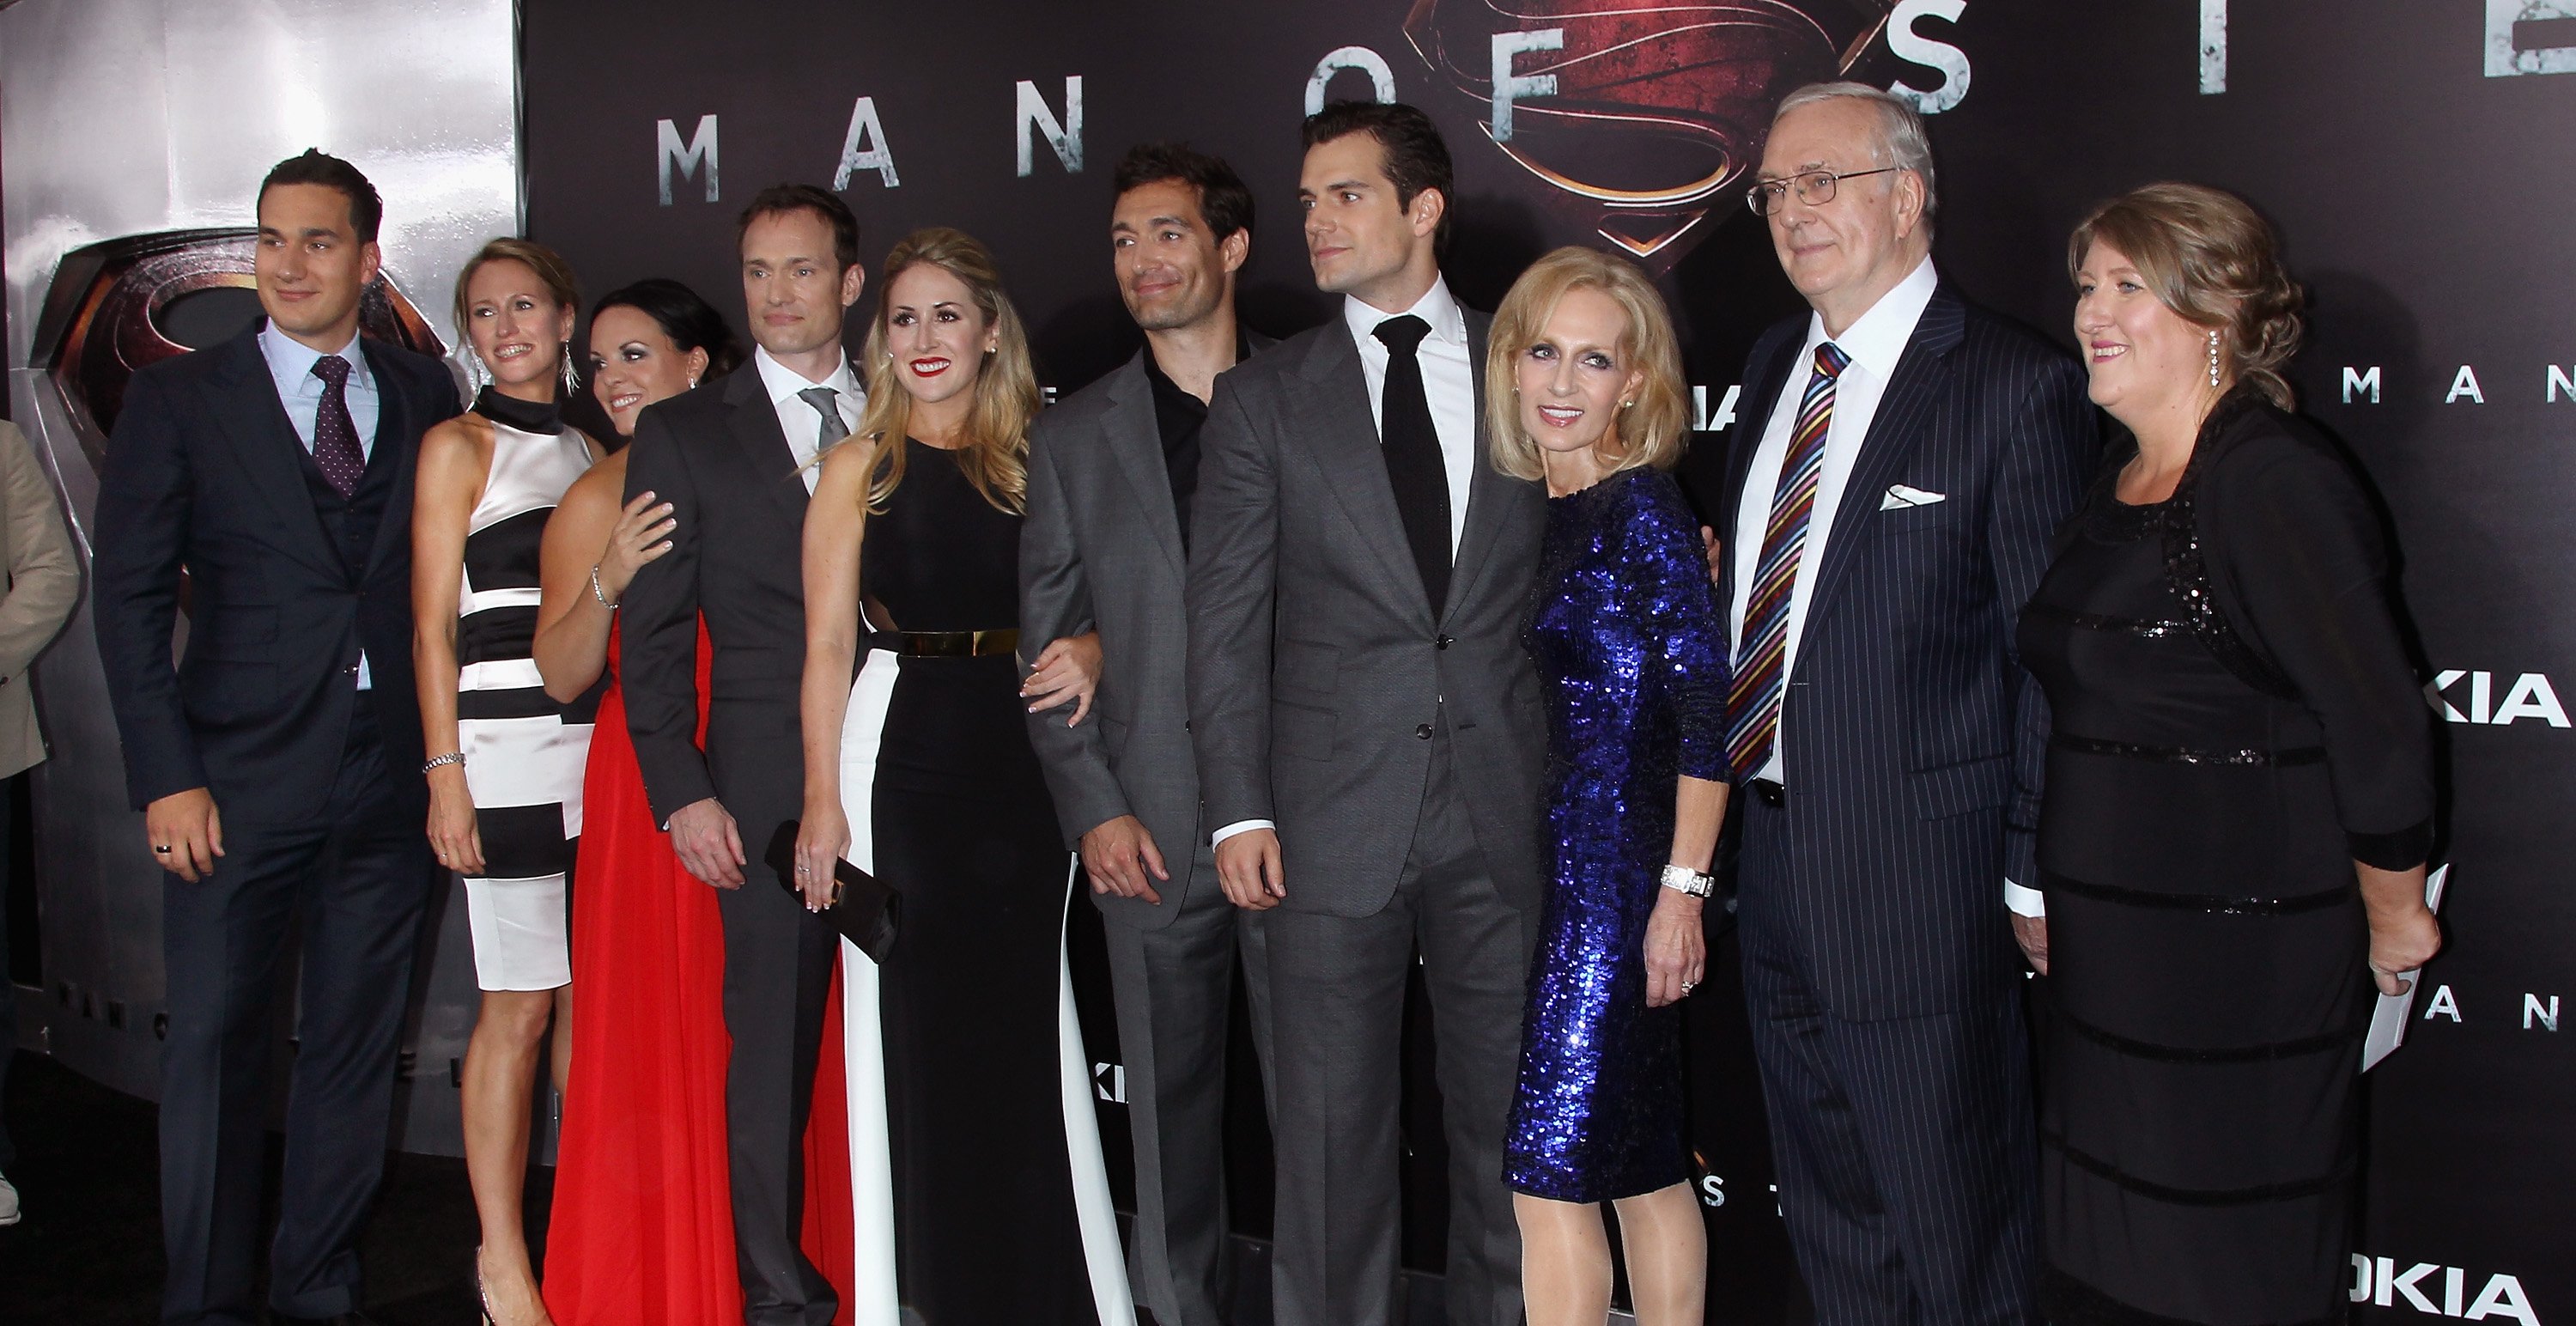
[(642, 1230)]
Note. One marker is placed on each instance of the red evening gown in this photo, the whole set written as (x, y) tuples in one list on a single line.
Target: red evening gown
[(642, 1230)]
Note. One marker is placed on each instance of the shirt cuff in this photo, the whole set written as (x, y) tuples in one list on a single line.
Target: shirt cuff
[(2025, 902), (1239, 826)]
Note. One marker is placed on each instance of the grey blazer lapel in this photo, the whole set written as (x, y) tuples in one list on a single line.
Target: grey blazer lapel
[(754, 425), (1491, 493), (1339, 433), (264, 443), (1135, 436)]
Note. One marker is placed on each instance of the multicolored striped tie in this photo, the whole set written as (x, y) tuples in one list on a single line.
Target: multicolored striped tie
[(1753, 700)]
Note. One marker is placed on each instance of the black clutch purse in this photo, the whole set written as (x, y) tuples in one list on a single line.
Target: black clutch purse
[(867, 910)]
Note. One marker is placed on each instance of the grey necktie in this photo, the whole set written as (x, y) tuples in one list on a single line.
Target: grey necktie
[(829, 428)]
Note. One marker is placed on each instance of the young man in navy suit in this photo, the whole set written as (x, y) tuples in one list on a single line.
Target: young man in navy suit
[(278, 765), (1882, 530)]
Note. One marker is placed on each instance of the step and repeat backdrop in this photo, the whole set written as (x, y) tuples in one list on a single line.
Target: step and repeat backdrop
[(2414, 156)]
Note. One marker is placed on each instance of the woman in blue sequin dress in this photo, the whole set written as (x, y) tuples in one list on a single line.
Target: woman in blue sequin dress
[(1624, 627)]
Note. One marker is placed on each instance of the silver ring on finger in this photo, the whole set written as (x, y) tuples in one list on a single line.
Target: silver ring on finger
[(162, 848)]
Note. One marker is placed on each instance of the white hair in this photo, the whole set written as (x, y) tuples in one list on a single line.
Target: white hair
[(1902, 143)]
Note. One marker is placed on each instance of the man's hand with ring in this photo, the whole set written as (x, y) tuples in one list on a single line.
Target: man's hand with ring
[(185, 833)]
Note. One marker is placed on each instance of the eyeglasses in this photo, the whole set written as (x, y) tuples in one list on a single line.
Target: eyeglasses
[(1815, 188)]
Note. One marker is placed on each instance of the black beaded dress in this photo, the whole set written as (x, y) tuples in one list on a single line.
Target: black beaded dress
[(2235, 724)]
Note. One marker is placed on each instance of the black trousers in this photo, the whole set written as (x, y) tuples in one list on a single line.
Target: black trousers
[(356, 879), (778, 978)]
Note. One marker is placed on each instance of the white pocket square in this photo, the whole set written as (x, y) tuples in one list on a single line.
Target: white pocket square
[(1905, 495)]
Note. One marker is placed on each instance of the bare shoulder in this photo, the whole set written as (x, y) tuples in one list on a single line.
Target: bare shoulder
[(602, 487)]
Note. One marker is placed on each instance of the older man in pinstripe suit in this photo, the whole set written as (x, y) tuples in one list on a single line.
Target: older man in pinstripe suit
[(1884, 529)]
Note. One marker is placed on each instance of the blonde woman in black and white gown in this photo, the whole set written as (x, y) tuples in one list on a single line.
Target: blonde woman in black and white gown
[(506, 762)]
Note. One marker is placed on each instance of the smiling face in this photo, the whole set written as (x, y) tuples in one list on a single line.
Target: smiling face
[(2143, 356), (310, 264), (1171, 271), (517, 329), (1361, 241), (633, 363), (794, 288), (937, 336), (1845, 253), (1572, 379)]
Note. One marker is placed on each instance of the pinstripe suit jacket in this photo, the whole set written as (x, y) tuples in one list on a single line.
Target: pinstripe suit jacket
[(1914, 738)]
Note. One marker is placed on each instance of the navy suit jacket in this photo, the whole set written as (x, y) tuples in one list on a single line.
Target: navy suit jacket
[(1914, 739), (206, 474)]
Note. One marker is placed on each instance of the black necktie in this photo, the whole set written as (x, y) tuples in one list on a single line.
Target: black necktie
[(1411, 446), (335, 434)]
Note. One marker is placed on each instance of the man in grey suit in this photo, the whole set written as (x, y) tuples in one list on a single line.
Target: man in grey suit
[(1112, 471), (1368, 728)]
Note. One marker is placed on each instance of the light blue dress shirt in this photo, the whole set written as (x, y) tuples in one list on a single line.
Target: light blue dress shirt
[(290, 365)]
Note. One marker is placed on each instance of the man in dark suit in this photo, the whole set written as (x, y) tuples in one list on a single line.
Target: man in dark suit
[(1882, 530), (1112, 473), (1368, 729), (278, 765), (733, 459)]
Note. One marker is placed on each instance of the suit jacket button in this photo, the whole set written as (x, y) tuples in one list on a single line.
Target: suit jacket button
[(1423, 732), (1444, 642), (1185, 725)]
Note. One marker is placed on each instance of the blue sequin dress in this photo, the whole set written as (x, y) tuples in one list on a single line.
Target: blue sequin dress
[(1623, 625)]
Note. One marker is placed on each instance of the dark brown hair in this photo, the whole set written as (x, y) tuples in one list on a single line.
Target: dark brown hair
[(778, 198), (315, 166), (1224, 203), (2213, 260), (1416, 157)]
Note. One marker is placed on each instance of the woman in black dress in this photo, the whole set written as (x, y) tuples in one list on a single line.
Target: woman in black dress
[(922, 773), (2239, 799)]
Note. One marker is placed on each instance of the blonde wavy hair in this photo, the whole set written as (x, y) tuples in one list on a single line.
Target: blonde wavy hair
[(2213, 260), (995, 457), (1654, 428)]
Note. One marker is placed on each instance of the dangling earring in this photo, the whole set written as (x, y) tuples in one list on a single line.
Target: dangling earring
[(477, 376), (571, 376), (693, 382), (2213, 359)]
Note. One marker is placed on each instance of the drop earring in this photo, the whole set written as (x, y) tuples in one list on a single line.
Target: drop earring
[(2213, 359), (571, 377)]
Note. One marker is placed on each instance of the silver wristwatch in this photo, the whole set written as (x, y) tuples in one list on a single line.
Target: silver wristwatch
[(1696, 883)]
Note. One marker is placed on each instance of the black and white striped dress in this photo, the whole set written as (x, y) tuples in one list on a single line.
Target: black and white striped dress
[(524, 753)]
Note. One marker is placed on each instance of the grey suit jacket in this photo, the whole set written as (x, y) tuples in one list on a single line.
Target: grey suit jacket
[(1101, 548), (1317, 672), (43, 588)]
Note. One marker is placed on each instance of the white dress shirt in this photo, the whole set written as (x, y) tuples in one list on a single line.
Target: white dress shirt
[(1448, 383), (290, 366), (802, 423)]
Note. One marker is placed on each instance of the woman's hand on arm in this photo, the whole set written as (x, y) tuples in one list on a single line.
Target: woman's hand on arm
[(573, 625), (835, 524), (455, 462), (1067, 670)]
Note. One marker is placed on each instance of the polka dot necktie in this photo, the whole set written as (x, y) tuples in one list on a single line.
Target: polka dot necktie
[(335, 434)]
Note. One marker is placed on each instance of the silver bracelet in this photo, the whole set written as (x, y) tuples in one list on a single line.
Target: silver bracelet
[(452, 757), (1683, 879), (596, 592)]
